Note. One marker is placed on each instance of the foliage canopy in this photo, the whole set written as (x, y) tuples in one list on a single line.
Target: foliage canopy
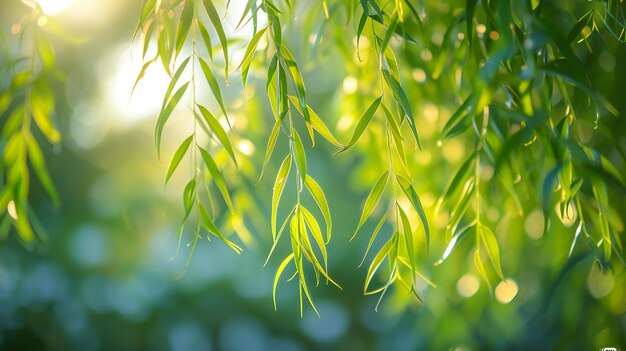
[(518, 83)]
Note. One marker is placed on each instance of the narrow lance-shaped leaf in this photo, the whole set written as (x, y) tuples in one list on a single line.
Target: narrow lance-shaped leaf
[(218, 130), (411, 194), (204, 33), (165, 115), (379, 226), (319, 197), (215, 88), (279, 272), (184, 24), (249, 54), (38, 163), (298, 150), (378, 259), (217, 177), (178, 156), (188, 196), (217, 24), (271, 143), (402, 99), (279, 185), (298, 82), (210, 226), (316, 122), (362, 124), (173, 81), (372, 200), (408, 237), (493, 251), (316, 233)]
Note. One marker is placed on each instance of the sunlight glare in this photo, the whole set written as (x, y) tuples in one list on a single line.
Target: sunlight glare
[(53, 7), (145, 100)]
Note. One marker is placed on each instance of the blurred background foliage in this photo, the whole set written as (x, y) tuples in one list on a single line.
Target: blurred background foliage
[(100, 273)]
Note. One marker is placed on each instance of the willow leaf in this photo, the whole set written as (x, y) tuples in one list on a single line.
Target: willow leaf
[(217, 24), (249, 54), (271, 143), (279, 185), (411, 194), (217, 177), (215, 87), (183, 25), (362, 124), (279, 272), (188, 196), (210, 227), (174, 80), (402, 100), (316, 122), (493, 251), (38, 162), (380, 224), (204, 33), (319, 197), (480, 267), (218, 131), (165, 115), (378, 259), (298, 150), (290, 65), (316, 232), (408, 237), (372, 200), (178, 156)]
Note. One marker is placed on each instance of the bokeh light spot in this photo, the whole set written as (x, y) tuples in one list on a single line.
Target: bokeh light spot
[(506, 291)]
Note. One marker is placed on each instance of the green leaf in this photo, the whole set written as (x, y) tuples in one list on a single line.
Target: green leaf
[(362, 124), (38, 162), (411, 194), (173, 81), (279, 272), (459, 178), (469, 18), (319, 197), (372, 200), (217, 177), (217, 24), (408, 237), (290, 65), (402, 100), (279, 185), (378, 259), (206, 38), (271, 143), (178, 156), (314, 227), (218, 131), (188, 197), (215, 88), (210, 226), (165, 115), (41, 104), (454, 241), (184, 24), (578, 27), (493, 251), (249, 54), (480, 267), (316, 122), (380, 224), (298, 150)]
